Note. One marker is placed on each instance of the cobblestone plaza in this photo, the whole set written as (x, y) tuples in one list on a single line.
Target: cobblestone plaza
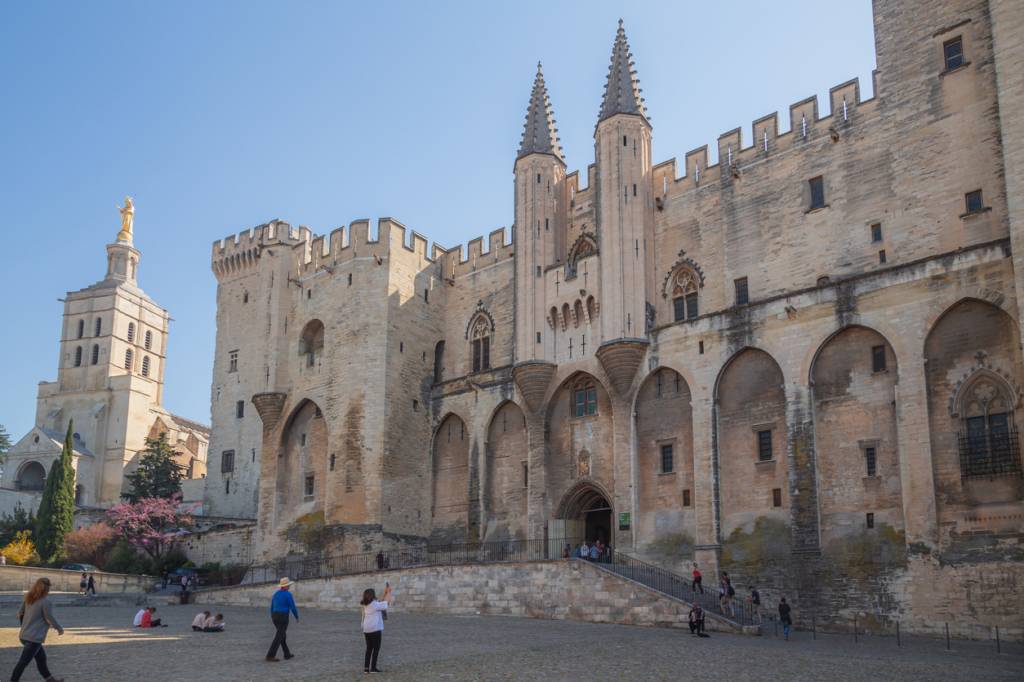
[(100, 645)]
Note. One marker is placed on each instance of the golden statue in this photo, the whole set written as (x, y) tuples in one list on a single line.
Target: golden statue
[(127, 219)]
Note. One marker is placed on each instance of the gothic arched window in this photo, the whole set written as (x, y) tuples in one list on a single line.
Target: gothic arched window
[(684, 294), (311, 343), (988, 438), (78, 356), (81, 328), (148, 343), (480, 341), (145, 366), (128, 359), (95, 354), (99, 326), (131, 332)]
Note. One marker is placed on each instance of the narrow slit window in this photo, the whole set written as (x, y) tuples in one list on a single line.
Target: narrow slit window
[(81, 328), (95, 354), (99, 326), (239, 409), (871, 461), (876, 233), (742, 292), (869, 520), (686, 498), (78, 356), (666, 459), (764, 445), (878, 358), (310, 485), (776, 497), (882, 260), (817, 186), (953, 53)]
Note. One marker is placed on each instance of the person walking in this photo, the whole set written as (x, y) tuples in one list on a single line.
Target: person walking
[(755, 605), (373, 625), (697, 580), (36, 616), (696, 620), (83, 582), (281, 605), (91, 585), (785, 618)]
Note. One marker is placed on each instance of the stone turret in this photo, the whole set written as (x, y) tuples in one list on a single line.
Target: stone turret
[(625, 216), (540, 209)]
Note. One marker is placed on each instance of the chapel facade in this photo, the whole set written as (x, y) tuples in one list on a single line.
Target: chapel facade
[(801, 361)]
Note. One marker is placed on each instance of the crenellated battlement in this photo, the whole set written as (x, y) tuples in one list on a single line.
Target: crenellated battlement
[(237, 252), (806, 125), (499, 248)]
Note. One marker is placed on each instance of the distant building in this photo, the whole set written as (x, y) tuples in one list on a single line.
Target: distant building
[(110, 380)]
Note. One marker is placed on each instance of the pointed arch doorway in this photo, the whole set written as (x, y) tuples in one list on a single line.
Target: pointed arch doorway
[(584, 513)]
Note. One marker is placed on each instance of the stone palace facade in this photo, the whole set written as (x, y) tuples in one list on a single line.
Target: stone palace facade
[(801, 363)]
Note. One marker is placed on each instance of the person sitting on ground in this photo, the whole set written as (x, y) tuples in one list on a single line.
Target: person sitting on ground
[(215, 624), (199, 622), (696, 620), (138, 617), (148, 621)]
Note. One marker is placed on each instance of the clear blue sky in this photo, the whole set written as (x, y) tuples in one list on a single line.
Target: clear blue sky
[(218, 116)]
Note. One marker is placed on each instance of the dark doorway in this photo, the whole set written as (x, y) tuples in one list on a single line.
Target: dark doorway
[(598, 521)]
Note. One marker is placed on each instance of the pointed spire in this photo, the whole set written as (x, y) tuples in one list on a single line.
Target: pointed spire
[(622, 92), (540, 136)]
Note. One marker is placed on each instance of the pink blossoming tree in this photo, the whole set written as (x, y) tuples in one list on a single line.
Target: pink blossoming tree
[(152, 524)]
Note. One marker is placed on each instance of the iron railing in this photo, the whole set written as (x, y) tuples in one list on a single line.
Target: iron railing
[(989, 454), (736, 609)]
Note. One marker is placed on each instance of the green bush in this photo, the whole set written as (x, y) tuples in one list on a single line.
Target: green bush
[(126, 559)]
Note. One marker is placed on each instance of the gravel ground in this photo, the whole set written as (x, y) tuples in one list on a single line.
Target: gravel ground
[(100, 645)]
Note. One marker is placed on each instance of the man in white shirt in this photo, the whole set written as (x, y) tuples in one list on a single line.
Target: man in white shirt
[(138, 618), (199, 622)]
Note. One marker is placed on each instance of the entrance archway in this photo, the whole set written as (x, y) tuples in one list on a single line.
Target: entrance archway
[(585, 513)]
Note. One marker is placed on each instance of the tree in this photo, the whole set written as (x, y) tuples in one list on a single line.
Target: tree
[(57, 506), (5, 442), (20, 550), (90, 544), (157, 474), (153, 524), (19, 520)]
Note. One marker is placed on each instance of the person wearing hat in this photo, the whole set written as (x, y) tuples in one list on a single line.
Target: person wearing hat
[(280, 605)]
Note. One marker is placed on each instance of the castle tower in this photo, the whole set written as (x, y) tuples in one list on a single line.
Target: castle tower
[(539, 218), (625, 215)]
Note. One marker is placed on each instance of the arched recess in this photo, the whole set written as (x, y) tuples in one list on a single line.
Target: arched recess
[(31, 476), (505, 482), (973, 372), (580, 435), (302, 467), (664, 435), (450, 481), (585, 512), (311, 343), (853, 385), (752, 442)]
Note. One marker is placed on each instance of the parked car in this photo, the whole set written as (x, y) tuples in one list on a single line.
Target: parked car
[(81, 568)]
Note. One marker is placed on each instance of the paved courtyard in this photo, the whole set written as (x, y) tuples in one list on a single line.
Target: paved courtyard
[(100, 645)]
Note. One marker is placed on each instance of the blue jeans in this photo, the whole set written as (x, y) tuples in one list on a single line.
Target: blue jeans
[(785, 630)]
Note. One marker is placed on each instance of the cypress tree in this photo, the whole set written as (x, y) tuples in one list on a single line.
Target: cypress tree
[(55, 518)]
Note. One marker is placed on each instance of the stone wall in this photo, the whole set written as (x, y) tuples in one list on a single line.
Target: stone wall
[(21, 578), (229, 546), (561, 590)]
